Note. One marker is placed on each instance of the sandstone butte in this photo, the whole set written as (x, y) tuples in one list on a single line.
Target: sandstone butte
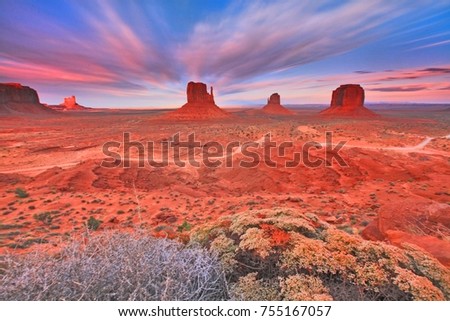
[(18, 99), (69, 104), (348, 100), (200, 105), (274, 107)]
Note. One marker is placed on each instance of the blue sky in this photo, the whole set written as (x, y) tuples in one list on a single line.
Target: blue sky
[(142, 53)]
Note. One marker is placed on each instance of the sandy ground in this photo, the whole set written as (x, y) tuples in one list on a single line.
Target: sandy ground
[(395, 187)]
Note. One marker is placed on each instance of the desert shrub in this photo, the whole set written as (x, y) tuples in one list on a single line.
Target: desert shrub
[(249, 288), (184, 227), (225, 248), (44, 217), (21, 193), (300, 257), (301, 287), (114, 266), (93, 224)]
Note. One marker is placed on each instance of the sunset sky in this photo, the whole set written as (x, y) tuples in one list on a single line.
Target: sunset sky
[(142, 53)]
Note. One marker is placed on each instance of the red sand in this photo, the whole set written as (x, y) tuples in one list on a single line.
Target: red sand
[(395, 189)]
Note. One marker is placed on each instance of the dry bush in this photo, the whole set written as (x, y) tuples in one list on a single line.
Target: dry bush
[(298, 256), (114, 266), (249, 288)]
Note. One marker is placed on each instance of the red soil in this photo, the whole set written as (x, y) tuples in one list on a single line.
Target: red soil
[(390, 191)]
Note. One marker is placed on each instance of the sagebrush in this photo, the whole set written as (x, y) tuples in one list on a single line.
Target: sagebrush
[(114, 266), (285, 254)]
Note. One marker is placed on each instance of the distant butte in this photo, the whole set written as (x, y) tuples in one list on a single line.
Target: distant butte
[(348, 100), (18, 99), (274, 107), (200, 105), (69, 104)]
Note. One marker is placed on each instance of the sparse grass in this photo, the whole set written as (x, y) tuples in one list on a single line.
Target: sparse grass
[(10, 226), (44, 217)]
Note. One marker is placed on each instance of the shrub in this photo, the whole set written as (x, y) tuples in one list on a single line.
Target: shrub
[(44, 217), (20, 193), (184, 227), (249, 288), (93, 224), (114, 266), (299, 257), (301, 287)]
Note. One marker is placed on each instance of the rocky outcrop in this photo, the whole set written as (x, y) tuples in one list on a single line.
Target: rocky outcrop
[(274, 99), (197, 93), (18, 99), (348, 100), (200, 104), (69, 104), (274, 107), (348, 96), (16, 93)]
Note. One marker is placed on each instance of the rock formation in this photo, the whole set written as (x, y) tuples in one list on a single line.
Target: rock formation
[(197, 93), (200, 104), (70, 103), (18, 99), (348, 100), (274, 107)]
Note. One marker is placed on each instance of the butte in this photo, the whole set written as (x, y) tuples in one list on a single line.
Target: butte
[(348, 101), (69, 104), (274, 107), (16, 99), (200, 105)]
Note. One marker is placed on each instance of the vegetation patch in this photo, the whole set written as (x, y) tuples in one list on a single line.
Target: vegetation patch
[(285, 254)]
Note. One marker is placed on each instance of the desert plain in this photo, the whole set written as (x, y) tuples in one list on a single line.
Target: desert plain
[(395, 187)]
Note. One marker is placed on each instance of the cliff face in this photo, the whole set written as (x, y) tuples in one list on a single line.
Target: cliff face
[(274, 106), (16, 93), (200, 105), (274, 99), (18, 99), (348, 100), (347, 96), (197, 93)]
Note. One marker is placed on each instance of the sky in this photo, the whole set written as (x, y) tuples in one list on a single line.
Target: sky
[(138, 53)]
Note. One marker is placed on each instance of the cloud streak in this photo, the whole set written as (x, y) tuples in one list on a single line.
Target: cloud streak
[(401, 89), (110, 50), (266, 37)]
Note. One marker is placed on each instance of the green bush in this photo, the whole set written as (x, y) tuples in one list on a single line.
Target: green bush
[(20, 193), (93, 224), (44, 217), (184, 227)]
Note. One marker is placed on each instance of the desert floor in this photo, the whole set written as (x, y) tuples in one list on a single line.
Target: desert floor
[(395, 189)]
